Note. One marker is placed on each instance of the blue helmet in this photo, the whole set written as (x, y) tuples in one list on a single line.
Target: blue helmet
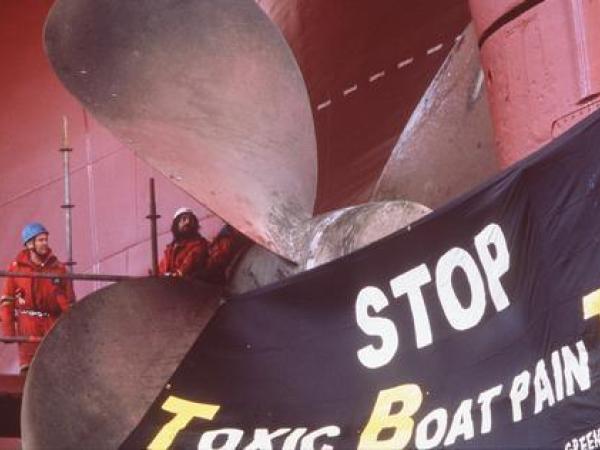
[(31, 230)]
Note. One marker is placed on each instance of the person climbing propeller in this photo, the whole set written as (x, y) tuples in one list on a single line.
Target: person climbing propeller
[(31, 306)]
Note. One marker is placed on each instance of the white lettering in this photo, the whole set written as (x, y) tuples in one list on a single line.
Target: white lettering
[(557, 371), (438, 417), (233, 438), (485, 400), (291, 441), (588, 441), (462, 314), (494, 268), (462, 424), (410, 283), (370, 356), (308, 442), (542, 387), (576, 369), (519, 392), (263, 440), (596, 437), (460, 318)]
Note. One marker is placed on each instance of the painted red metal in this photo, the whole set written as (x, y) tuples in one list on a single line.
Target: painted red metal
[(109, 186), (366, 66), (542, 68)]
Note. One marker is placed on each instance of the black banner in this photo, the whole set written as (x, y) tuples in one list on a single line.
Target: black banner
[(477, 327)]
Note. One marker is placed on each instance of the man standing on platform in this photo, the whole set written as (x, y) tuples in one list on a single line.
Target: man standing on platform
[(186, 255), (31, 306)]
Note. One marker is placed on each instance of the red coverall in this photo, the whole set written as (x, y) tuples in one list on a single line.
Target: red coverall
[(223, 251), (31, 306), (186, 258)]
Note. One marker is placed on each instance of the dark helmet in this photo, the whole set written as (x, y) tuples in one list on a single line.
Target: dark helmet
[(227, 230)]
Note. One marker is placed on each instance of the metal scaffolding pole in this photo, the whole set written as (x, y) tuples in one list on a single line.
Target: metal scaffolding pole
[(20, 339), (68, 276), (67, 205), (153, 217)]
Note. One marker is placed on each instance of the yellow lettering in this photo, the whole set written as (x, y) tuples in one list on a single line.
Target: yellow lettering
[(591, 305), (184, 411), (401, 423)]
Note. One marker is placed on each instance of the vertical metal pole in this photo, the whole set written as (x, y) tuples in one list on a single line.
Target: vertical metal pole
[(153, 233), (67, 205)]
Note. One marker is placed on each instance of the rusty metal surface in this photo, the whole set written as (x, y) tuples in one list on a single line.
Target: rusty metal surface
[(207, 92), (447, 147), (259, 267), (327, 237), (542, 70), (344, 231), (104, 362)]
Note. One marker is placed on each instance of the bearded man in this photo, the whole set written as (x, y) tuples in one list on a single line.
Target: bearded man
[(186, 255)]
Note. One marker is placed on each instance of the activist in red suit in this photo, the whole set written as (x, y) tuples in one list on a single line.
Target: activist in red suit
[(186, 255), (223, 253), (31, 306)]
